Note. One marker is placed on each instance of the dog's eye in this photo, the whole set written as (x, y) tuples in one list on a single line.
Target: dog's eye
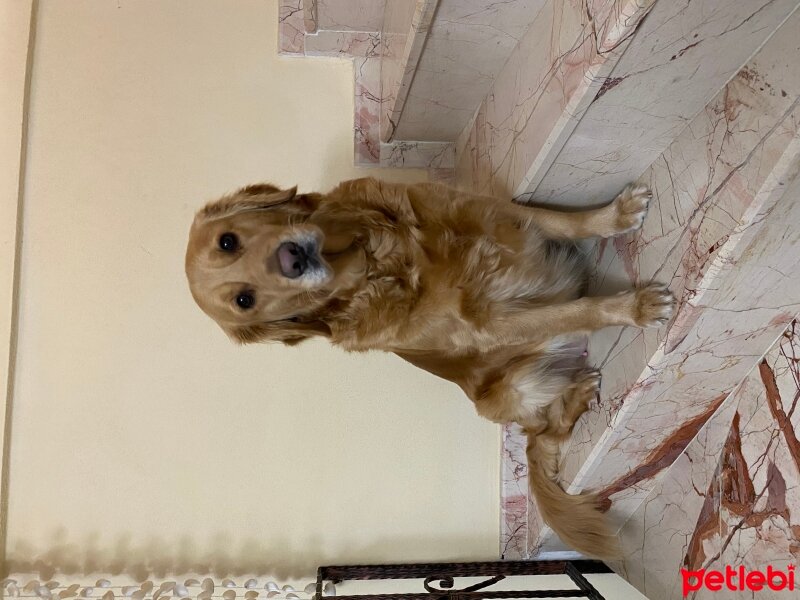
[(245, 300), (228, 242)]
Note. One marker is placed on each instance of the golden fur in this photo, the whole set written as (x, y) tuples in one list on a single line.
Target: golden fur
[(479, 291)]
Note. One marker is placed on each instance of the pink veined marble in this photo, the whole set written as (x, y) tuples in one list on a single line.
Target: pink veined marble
[(514, 494), (466, 44), (291, 27), (538, 97), (679, 58), (732, 499), (714, 235), (405, 29), (344, 15)]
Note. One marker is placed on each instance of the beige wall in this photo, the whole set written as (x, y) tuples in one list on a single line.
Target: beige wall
[(138, 429)]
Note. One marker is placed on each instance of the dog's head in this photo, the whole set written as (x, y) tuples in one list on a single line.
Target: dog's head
[(255, 265)]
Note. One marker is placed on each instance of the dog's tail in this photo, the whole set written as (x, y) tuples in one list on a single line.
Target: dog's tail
[(577, 519)]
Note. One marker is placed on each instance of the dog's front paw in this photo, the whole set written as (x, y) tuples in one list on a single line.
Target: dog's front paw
[(653, 305), (630, 208)]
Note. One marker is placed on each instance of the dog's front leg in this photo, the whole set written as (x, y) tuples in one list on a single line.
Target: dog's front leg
[(624, 214), (650, 306)]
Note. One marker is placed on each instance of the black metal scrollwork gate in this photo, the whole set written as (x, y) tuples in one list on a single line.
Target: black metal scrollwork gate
[(438, 580)]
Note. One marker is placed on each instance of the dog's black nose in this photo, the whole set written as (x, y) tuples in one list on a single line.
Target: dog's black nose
[(292, 259)]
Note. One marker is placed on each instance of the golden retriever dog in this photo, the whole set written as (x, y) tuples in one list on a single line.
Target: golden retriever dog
[(480, 291)]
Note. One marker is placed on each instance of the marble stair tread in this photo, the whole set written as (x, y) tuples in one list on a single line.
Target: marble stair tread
[(589, 99), (465, 47), (682, 54)]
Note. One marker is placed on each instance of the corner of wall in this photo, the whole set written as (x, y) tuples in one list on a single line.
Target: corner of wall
[(17, 27)]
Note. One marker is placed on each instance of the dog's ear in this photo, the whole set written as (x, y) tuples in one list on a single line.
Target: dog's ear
[(287, 332), (262, 196)]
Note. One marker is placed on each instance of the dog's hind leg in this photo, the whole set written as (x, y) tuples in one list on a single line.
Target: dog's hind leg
[(523, 391), (547, 401), (540, 397), (574, 401)]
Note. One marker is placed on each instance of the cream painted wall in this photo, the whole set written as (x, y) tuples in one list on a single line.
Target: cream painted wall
[(138, 429)]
